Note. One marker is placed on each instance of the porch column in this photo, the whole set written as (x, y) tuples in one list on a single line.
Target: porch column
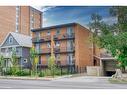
[(101, 67)]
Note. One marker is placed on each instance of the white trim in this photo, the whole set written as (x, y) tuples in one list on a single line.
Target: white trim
[(104, 58), (11, 46), (5, 38)]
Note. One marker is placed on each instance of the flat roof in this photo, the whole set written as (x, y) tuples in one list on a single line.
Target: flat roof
[(55, 26)]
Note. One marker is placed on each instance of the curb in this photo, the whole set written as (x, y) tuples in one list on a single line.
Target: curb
[(34, 78)]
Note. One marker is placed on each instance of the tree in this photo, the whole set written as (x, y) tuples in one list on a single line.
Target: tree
[(34, 59), (14, 58), (116, 44), (1, 62), (14, 61), (95, 23), (120, 12), (52, 65)]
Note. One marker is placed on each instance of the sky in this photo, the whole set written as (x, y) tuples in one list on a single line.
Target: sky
[(54, 15)]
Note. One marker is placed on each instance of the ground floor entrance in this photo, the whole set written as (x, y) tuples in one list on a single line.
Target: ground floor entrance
[(108, 65)]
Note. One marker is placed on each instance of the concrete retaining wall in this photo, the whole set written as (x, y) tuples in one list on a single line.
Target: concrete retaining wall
[(94, 71)]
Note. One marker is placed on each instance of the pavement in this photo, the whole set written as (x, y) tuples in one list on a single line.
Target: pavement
[(80, 82)]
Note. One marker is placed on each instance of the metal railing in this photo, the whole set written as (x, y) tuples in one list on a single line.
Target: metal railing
[(44, 51), (64, 49), (56, 37)]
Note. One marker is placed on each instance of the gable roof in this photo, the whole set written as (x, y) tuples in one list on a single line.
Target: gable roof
[(23, 40)]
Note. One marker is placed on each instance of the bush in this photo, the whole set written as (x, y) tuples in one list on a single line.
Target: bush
[(9, 71), (41, 74), (24, 72)]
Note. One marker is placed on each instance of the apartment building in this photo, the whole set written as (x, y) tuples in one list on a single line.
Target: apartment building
[(20, 19), (71, 47)]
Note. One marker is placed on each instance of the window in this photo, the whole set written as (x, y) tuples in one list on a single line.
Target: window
[(58, 32), (48, 33), (57, 43), (48, 45), (24, 60), (17, 18), (38, 34), (57, 56), (10, 40), (70, 30)]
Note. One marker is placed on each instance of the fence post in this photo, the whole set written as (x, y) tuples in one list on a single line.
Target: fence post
[(77, 69), (61, 70)]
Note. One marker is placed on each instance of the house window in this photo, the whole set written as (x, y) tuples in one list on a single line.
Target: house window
[(10, 40)]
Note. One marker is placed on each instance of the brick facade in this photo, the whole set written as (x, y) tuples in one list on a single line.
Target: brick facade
[(8, 20), (82, 53)]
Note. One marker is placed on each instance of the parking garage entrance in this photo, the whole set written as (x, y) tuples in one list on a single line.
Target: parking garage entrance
[(109, 67)]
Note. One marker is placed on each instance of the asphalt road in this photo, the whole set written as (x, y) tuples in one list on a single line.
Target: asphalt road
[(64, 83)]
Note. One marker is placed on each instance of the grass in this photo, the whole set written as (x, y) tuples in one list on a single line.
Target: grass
[(118, 81)]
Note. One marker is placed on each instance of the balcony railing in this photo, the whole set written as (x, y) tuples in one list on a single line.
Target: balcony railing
[(58, 62), (9, 54), (56, 50), (64, 37), (56, 37), (44, 51), (42, 39), (64, 50)]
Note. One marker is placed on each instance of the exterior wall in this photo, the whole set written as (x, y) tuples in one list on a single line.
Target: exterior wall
[(7, 42), (24, 20), (63, 44), (83, 47), (8, 20), (25, 56), (83, 54)]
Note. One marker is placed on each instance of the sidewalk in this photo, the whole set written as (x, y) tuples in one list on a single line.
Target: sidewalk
[(34, 78)]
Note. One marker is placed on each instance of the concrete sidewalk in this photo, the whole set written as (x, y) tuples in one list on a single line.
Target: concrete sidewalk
[(34, 78)]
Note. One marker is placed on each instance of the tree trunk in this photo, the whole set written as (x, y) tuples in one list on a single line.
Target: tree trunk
[(118, 74)]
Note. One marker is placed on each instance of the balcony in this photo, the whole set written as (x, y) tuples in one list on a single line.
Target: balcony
[(44, 51), (56, 38), (63, 50), (58, 62), (42, 39), (9, 54), (64, 37)]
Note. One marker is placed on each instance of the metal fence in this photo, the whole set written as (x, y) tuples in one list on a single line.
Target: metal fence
[(60, 70)]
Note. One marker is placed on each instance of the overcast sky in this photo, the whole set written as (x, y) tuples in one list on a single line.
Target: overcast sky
[(67, 14)]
